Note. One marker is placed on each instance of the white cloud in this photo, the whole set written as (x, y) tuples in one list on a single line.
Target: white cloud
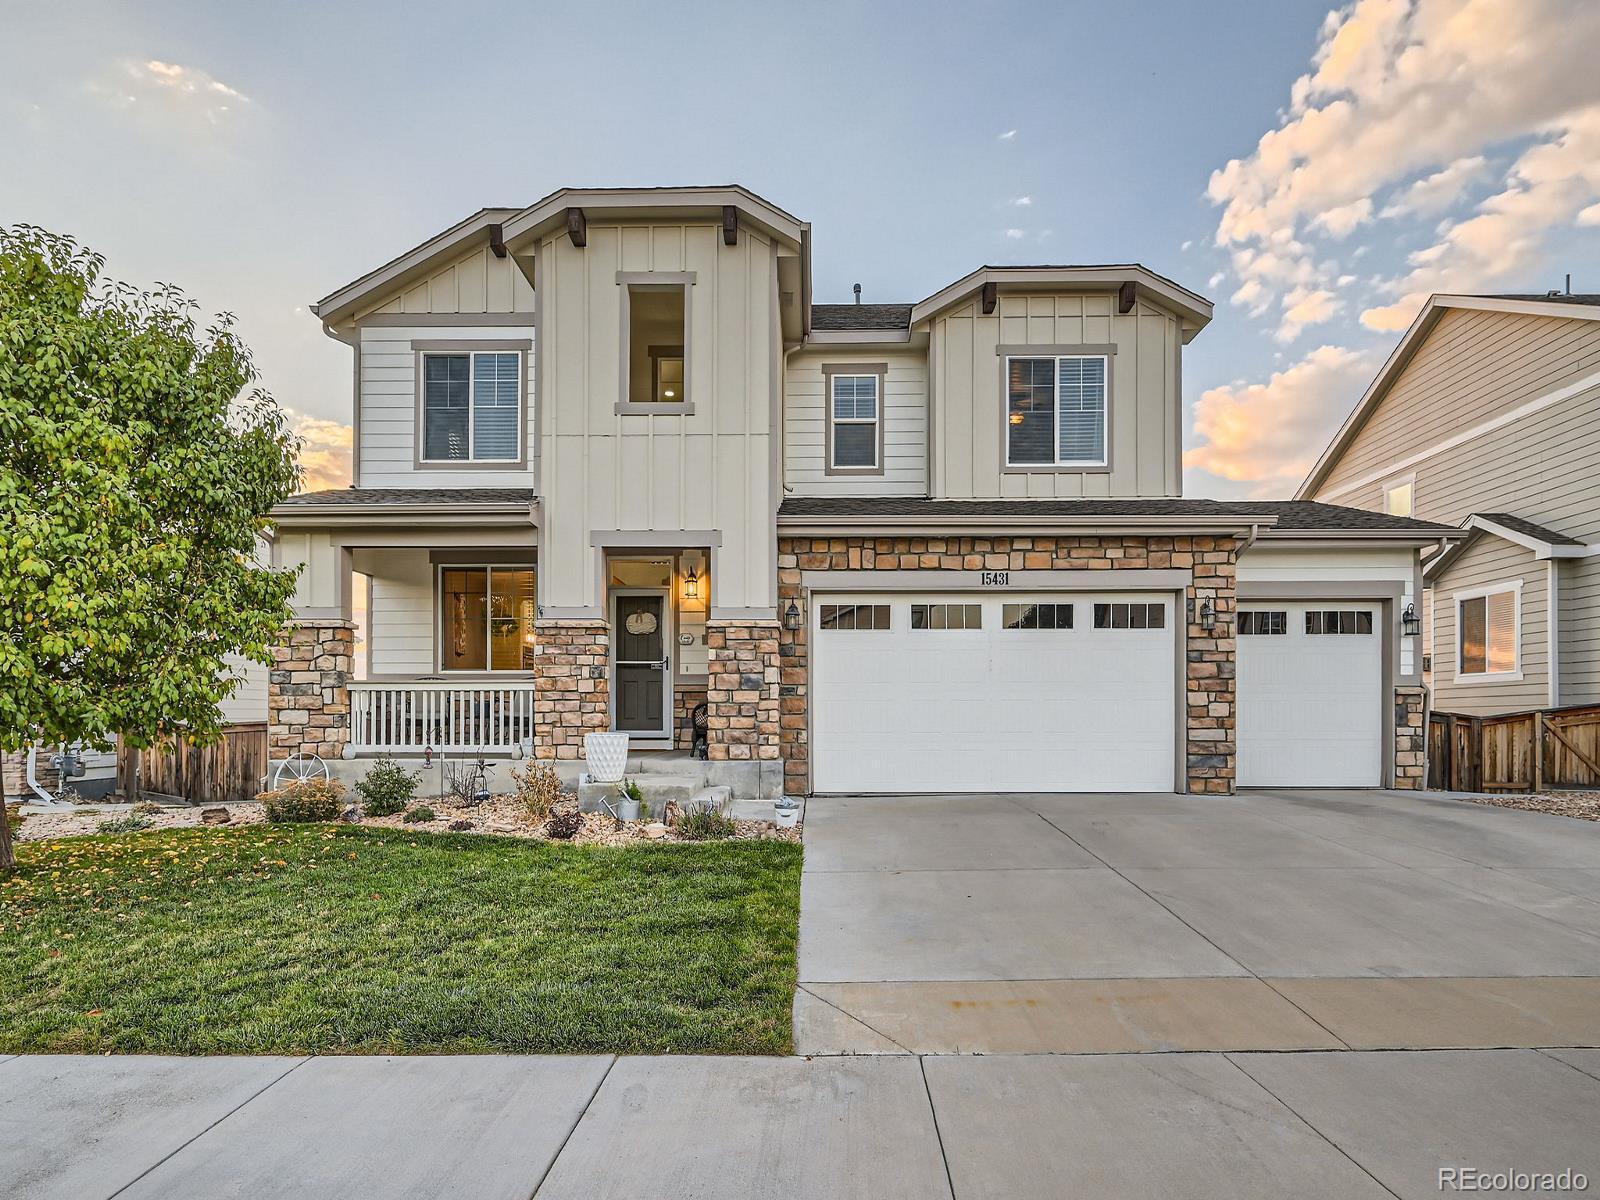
[(1268, 434), (1433, 194), (1022, 201), (1342, 221), (1590, 215), (1305, 306), (1008, 135), (178, 90), (324, 450), (1015, 234), (1187, 242)]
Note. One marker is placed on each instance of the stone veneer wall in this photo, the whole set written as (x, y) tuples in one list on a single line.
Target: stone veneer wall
[(572, 686), (308, 689), (1410, 739), (685, 699), (1210, 698), (14, 773), (742, 690)]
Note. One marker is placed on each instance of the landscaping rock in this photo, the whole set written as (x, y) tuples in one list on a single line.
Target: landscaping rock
[(351, 815), (215, 816), (655, 830), (460, 826)]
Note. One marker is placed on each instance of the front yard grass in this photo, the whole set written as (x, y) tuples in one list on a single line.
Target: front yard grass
[(328, 939)]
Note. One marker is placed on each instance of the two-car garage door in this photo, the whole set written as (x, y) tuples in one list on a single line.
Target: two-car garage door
[(993, 692)]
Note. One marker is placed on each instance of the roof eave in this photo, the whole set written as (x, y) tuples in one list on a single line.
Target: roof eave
[(549, 212), (1133, 523), (1194, 309)]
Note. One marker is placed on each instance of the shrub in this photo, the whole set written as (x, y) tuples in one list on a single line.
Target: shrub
[(538, 790), (564, 826), (704, 825), (132, 823), (307, 800), (387, 789), (418, 815)]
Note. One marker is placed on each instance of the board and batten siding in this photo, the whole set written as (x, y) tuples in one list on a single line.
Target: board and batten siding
[(1144, 432), (387, 455), (1489, 561), (905, 424), (477, 282), (714, 468)]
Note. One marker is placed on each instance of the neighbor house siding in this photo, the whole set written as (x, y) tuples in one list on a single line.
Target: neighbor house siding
[(904, 415), (1143, 431), (1492, 560)]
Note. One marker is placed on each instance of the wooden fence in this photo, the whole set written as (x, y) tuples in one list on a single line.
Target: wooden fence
[(229, 769), (1517, 752)]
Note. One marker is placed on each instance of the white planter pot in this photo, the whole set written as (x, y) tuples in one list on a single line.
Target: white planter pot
[(787, 816), (606, 755)]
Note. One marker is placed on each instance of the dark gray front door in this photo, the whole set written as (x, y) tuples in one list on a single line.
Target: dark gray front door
[(642, 667)]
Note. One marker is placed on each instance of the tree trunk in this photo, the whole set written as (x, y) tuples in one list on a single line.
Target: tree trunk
[(8, 860)]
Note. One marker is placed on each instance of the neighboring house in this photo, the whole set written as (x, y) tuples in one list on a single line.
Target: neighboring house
[(1487, 416), (613, 463)]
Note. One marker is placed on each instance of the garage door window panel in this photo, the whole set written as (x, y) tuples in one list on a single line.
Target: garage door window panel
[(1488, 622), (1263, 623), (1328, 621), (854, 617), (947, 616), (1036, 616), (1119, 615)]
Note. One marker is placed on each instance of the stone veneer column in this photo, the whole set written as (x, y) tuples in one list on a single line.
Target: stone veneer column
[(742, 690), (308, 689), (1410, 739), (572, 688), (14, 773), (1212, 699)]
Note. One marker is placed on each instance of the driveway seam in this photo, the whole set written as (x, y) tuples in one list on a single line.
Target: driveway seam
[(191, 1141), (1290, 1109), (864, 1024), (1586, 1074), (582, 1113), (949, 1179)]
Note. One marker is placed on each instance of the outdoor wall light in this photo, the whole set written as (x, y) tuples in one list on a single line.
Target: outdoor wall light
[(1410, 623), (791, 616), (691, 585), (1207, 616)]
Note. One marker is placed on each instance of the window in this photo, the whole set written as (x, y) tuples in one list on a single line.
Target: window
[(1397, 498), (947, 616), (657, 334), (1037, 616), (1339, 621), (1056, 410), (1258, 622), (1488, 632), (486, 618), (472, 407), (854, 616), (854, 404), (1130, 616)]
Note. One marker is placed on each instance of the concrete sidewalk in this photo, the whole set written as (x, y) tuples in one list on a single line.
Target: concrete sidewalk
[(1342, 1124)]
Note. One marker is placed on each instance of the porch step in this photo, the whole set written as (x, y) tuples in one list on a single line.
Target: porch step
[(718, 799), (658, 790)]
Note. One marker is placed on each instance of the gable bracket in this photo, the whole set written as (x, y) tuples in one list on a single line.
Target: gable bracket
[(497, 240), (1126, 294), (577, 227), (991, 296), (730, 225)]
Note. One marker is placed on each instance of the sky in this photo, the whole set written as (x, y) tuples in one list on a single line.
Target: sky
[(1316, 173)]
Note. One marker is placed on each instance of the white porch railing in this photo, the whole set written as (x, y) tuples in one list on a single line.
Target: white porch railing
[(407, 718)]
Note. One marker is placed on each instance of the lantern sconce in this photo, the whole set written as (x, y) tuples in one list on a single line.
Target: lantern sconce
[(1206, 617), (1410, 623), (691, 585), (791, 616)]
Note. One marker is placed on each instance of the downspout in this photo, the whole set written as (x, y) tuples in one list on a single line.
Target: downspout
[(33, 779)]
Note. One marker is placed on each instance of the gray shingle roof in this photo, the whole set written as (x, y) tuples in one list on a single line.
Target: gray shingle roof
[(1546, 297), (1540, 532), (860, 316), (353, 496), (1307, 515)]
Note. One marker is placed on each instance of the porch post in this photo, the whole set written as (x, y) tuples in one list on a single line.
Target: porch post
[(572, 686), (308, 688), (742, 690)]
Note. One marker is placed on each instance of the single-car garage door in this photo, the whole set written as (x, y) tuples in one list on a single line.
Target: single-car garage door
[(993, 692), (1310, 704)]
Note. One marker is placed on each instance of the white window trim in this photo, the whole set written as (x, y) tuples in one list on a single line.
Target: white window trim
[(488, 628), (472, 407), (876, 465), (1514, 586), (1399, 481), (1058, 463)]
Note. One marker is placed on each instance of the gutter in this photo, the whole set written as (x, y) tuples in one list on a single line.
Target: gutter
[(1003, 523)]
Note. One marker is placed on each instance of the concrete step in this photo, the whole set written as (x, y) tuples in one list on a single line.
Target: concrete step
[(719, 799), (658, 790)]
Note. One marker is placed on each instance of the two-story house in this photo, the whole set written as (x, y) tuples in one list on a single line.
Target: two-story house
[(612, 463), (1487, 417)]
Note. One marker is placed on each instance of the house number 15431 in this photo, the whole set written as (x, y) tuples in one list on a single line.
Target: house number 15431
[(995, 578)]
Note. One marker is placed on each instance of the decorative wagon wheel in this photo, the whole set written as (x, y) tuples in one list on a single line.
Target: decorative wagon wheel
[(301, 768)]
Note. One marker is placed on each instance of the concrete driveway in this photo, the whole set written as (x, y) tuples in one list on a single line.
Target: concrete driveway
[(1265, 921)]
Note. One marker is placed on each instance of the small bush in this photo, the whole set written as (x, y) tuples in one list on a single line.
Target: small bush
[(704, 825), (387, 789), (418, 815), (308, 800), (132, 823), (147, 807), (564, 826), (538, 790)]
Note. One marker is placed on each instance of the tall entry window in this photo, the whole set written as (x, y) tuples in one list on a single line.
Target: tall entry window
[(657, 334), (486, 617), (1056, 410), (472, 407)]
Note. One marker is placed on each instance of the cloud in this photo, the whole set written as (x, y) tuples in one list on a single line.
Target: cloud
[(1268, 434), (1022, 202), (175, 89), (1342, 221), (1016, 234), (1433, 194), (1304, 306), (1008, 135), (324, 451)]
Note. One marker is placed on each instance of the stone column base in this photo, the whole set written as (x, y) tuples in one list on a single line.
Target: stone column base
[(1410, 740), (742, 690), (572, 685), (308, 689)]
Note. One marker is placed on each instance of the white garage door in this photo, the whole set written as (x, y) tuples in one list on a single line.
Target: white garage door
[(998, 692), (1310, 706)]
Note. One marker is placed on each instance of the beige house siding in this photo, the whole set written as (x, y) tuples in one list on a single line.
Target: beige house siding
[(713, 468), (1578, 629), (969, 409), (477, 282), (399, 611), (905, 424), (1491, 560)]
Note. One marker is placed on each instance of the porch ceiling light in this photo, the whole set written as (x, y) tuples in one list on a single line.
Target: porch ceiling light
[(791, 616), (1410, 622)]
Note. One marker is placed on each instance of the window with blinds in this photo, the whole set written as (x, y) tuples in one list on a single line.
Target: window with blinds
[(1056, 410), (1488, 627), (472, 407)]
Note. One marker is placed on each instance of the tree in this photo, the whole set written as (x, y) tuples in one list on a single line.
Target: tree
[(136, 476)]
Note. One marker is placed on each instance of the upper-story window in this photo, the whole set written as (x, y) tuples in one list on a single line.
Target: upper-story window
[(655, 330), (1056, 410), (855, 417), (1398, 497), (472, 407)]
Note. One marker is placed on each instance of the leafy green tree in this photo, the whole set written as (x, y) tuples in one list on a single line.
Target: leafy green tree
[(137, 469)]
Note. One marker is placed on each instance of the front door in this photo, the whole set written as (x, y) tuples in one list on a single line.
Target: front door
[(642, 672)]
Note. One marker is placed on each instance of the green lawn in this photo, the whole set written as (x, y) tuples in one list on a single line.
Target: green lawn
[(314, 938)]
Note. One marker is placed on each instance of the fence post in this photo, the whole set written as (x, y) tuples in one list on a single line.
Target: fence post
[(1538, 752)]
